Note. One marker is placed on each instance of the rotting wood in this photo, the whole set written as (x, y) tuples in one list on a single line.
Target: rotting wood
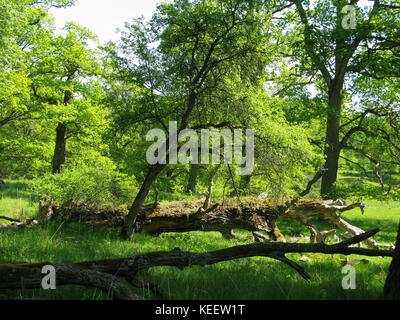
[(27, 223), (251, 214), (30, 276)]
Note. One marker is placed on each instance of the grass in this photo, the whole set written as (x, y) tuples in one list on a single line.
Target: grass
[(247, 279), (16, 201)]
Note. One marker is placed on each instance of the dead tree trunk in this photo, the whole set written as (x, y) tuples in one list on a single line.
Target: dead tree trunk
[(17, 224), (187, 216), (30, 276), (251, 214), (330, 211)]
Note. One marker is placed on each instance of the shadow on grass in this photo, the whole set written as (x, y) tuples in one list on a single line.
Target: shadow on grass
[(244, 279), (388, 227), (16, 190), (264, 279)]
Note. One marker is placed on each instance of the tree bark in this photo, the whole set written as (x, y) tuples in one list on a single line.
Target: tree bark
[(130, 221), (61, 136), (188, 216), (333, 147), (60, 148), (17, 224), (392, 285), (251, 214), (194, 170), (29, 276)]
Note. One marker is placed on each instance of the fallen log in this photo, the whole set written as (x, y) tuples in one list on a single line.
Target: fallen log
[(251, 214), (29, 276), (48, 210), (27, 223), (105, 274), (182, 216), (330, 211), (187, 216)]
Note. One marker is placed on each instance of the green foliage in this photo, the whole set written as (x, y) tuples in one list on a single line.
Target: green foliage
[(33, 87), (148, 76), (360, 191), (204, 64), (96, 183)]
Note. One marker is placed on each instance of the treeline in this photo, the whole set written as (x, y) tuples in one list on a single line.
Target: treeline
[(74, 114)]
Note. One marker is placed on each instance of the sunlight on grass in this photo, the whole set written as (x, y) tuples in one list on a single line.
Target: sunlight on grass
[(16, 201), (255, 278)]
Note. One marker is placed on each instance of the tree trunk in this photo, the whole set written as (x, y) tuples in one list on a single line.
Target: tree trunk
[(244, 186), (60, 149), (129, 225), (186, 216), (392, 285), (61, 137), (194, 170), (333, 147), (29, 276), (17, 224), (130, 220)]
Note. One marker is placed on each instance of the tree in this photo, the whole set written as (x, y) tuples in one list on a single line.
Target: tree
[(66, 66), (21, 23), (341, 53), (198, 42), (18, 16)]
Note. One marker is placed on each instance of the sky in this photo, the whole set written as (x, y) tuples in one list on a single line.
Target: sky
[(103, 17)]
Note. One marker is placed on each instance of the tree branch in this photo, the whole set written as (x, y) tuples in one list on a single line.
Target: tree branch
[(313, 181), (310, 45)]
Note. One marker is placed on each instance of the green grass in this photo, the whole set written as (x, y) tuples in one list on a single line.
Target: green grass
[(16, 201), (247, 279)]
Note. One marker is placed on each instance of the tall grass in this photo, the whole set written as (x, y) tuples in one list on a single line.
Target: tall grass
[(254, 278), (16, 201)]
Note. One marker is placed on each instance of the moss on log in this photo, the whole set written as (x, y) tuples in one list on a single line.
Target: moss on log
[(251, 214)]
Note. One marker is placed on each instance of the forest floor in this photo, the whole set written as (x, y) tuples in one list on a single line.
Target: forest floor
[(246, 279)]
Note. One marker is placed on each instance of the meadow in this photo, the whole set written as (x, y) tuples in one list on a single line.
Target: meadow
[(246, 279)]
